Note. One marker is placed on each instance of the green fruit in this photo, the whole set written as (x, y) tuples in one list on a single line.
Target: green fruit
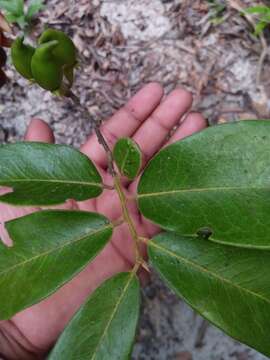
[(47, 72), (21, 55), (65, 52)]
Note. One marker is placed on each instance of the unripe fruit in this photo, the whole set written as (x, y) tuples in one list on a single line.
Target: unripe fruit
[(65, 52), (21, 55), (47, 72)]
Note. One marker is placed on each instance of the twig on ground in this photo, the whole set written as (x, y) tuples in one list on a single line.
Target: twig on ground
[(199, 341)]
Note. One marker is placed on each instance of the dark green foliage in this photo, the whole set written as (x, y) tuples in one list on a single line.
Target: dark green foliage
[(128, 157), (218, 179), (229, 287), (50, 247), (46, 174), (105, 326)]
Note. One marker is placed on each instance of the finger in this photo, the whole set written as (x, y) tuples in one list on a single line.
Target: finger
[(194, 122), (125, 122), (152, 134), (39, 131)]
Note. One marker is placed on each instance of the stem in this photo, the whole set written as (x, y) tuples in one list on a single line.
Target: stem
[(117, 182), (136, 267), (127, 218), (144, 239), (118, 222), (108, 187), (99, 135)]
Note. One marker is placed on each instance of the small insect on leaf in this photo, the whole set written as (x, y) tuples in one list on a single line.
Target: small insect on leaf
[(128, 157), (195, 184)]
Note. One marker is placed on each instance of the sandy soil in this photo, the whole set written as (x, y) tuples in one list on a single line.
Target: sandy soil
[(125, 44)]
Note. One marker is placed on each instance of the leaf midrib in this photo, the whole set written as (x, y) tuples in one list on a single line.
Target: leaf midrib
[(220, 188), (212, 274), (46, 253), (73, 182), (112, 315), (123, 165)]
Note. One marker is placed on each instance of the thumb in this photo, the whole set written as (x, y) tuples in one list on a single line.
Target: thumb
[(39, 130)]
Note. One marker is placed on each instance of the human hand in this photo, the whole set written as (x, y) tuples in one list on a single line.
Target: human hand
[(148, 119)]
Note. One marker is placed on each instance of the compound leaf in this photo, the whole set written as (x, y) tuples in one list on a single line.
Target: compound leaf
[(50, 247), (104, 328), (128, 157), (216, 182), (46, 174), (230, 287)]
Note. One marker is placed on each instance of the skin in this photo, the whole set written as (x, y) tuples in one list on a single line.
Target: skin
[(148, 118)]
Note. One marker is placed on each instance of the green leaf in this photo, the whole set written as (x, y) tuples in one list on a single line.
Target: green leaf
[(46, 174), (229, 287), (216, 182), (257, 10), (16, 7), (34, 7), (104, 328), (259, 28), (50, 247), (128, 157), (11, 18), (265, 18), (21, 21)]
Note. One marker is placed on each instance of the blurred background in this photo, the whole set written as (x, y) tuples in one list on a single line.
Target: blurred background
[(208, 47)]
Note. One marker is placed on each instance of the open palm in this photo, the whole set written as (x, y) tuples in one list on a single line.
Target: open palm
[(148, 118)]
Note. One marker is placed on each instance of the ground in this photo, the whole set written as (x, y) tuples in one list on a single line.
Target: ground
[(125, 44)]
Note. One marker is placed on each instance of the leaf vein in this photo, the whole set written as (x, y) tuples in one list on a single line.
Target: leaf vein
[(210, 273), (113, 314), (46, 253), (73, 182), (179, 191)]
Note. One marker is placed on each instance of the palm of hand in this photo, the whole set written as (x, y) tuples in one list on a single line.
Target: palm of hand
[(144, 116)]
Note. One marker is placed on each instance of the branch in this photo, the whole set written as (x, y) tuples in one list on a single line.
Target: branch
[(96, 127), (117, 182)]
